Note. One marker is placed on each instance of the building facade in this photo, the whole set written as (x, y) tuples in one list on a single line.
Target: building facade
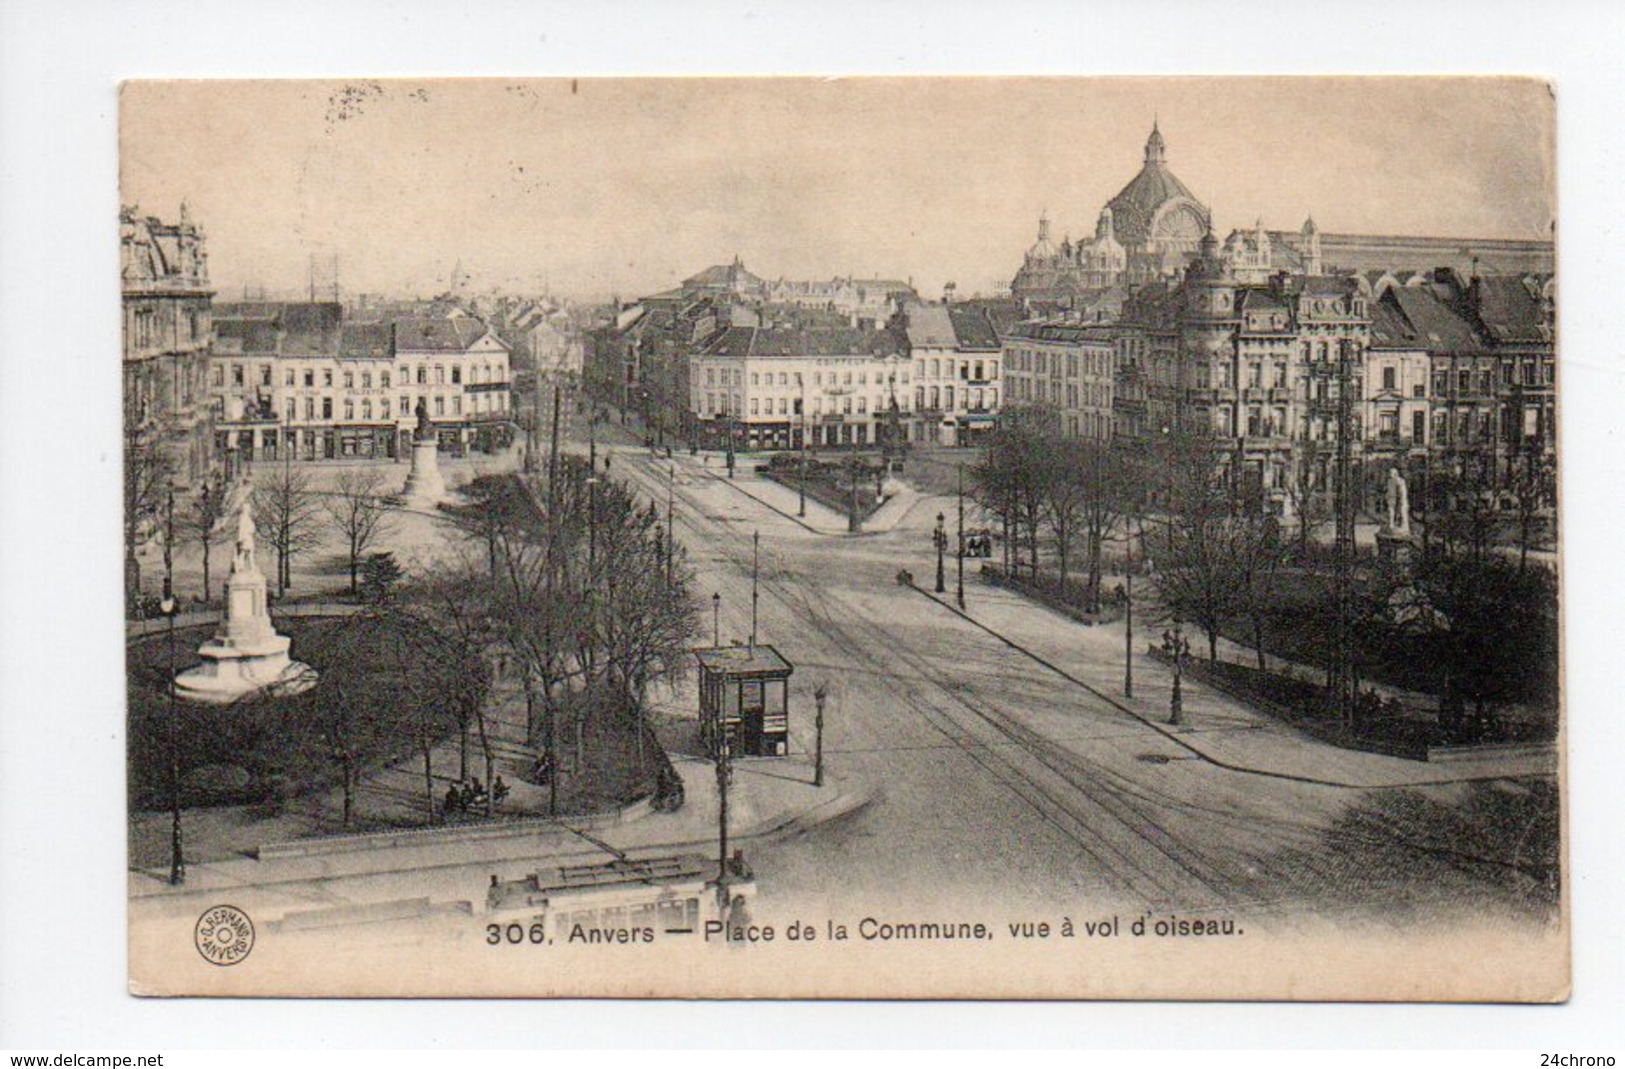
[(301, 381), (168, 334), (1067, 368), (957, 359), (777, 389)]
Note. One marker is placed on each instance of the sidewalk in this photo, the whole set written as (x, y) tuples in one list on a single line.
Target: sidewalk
[(1216, 727), (770, 797), (820, 518)]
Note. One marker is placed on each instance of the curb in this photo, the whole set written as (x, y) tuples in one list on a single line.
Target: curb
[(1183, 743)]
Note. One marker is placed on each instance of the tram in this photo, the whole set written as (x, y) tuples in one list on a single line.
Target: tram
[(621, 901)]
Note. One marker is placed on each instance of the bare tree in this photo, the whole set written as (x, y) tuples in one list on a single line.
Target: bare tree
[(147, 477), (200, 523), (287, 514), (358, 509)]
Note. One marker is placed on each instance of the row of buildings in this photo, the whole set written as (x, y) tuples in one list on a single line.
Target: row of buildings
[(219, 384), (1435, 353)]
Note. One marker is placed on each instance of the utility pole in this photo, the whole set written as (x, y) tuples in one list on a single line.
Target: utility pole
[(755, 564), (671, 542), (1128, 611), (801, 505), (1343, 679), (959, 596), (552, 567)]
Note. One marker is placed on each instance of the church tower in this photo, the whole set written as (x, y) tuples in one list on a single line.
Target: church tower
[(1310, 246)]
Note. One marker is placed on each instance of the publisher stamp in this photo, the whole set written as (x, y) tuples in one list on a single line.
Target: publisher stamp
[(224, 935)]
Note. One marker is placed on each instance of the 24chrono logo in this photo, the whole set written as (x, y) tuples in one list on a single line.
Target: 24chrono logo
[(224, 935)]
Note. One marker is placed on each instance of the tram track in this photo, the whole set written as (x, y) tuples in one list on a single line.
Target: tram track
[(1150, 864)]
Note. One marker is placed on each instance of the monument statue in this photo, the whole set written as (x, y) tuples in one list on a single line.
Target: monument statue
[(1399, 504), (425, 424), (425, 487), (246, 656)]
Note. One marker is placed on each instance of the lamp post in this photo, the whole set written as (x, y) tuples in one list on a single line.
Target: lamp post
[(671, 542), (960, 595), (820, 694), (940, 538), (755, 561), (716, 620), (1176, 647), (724, 781), (177, 855)]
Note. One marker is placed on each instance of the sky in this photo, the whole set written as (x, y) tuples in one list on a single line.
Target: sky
[(603, 187)]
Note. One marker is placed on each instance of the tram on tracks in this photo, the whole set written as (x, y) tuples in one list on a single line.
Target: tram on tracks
[(626, 900)]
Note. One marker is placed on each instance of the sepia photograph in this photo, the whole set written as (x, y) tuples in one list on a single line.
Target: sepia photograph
[(877, 537)]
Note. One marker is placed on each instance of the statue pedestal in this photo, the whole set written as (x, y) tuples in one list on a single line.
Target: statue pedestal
[(1395, 547), (246, 657), (424, 486)]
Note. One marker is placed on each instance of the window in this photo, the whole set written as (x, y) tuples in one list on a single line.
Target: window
[(219, 374), (366, 409), (287, 378), (383, 408), (406, 404), (265, 374), (406, 374), (327, 376), (710, 380), (439, 405), (292, 409), (383, 379), (439, 374), (423, 374), (710, 399), (236, 374), (1464, 382), (327, 408), (310, 408), (863, 378), (456, 375), (457, 405), (755, 379), (753, 406), (783, 408), (863, 405), (784, 380), (1388, 378), (1419, 425)]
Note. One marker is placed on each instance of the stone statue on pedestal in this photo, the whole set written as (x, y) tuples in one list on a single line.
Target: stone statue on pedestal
[(1397, 521), (425, 427), (246, 657)]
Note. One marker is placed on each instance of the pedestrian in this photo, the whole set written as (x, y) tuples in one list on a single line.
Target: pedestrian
[(499, 790)]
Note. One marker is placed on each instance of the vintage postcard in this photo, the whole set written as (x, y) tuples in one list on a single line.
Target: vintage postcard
[(864, 538)]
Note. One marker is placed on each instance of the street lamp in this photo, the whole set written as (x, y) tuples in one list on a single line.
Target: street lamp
[(755, 560), (820, 693), (724, 781), (177, 856), (716, 620), (940, 539), (1176, 647)]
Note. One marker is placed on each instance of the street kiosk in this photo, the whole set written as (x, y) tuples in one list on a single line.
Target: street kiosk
[(745, 698)]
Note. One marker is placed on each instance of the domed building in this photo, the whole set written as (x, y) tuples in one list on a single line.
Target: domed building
[(1157, 218), (1148, 231)]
